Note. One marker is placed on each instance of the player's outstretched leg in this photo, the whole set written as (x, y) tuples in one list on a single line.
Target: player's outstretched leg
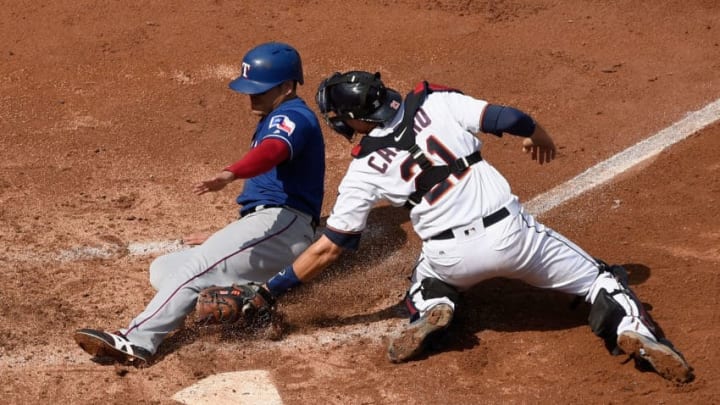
[(412, 340), (111, 345), (619, 317)]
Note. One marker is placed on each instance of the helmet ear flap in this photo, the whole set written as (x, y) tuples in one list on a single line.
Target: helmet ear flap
[(321, 97)]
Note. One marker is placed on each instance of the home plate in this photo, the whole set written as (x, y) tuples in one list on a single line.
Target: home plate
[(241, 387)]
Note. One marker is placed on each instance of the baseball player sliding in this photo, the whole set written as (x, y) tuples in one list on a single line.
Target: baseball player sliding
[(422, 153), (280, 207)]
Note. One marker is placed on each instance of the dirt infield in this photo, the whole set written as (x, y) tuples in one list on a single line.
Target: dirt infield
[(110, 111)]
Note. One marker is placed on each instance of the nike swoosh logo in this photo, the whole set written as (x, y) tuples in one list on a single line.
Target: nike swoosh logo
[(400, 135)]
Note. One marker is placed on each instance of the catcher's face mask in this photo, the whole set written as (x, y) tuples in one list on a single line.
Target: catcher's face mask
[(354, 95), (323, 101)]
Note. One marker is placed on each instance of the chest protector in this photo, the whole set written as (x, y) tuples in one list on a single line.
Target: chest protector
[(403, 138)]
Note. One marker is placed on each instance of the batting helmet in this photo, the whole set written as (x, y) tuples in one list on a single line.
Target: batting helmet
[(266, 66), (356, 95)]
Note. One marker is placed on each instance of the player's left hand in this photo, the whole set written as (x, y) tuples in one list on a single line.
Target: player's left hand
[(216, 183), (195, 238)]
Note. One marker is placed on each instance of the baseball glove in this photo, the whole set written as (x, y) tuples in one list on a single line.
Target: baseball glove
[(250, 303)]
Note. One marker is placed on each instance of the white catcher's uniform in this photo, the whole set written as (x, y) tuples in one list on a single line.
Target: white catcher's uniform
[(516, 247)]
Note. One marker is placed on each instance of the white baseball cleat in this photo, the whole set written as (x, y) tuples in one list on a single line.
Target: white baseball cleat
[(666, 361), (113, 345), (411, 341)]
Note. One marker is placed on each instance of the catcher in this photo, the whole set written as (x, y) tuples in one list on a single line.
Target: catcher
[(280, 208), (422, 153)]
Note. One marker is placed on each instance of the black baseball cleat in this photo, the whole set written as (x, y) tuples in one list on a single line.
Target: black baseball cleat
[(412, 340), (111, 345), (663, 358)]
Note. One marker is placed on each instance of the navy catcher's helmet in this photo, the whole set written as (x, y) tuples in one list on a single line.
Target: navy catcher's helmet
[(266, 66), (356, 95)]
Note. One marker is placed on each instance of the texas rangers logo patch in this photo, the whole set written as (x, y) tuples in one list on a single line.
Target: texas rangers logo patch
[(283, 123), (245, 69)]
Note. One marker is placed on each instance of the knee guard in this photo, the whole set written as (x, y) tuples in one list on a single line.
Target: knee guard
[(427, 293), (613, 302), (605, 316)]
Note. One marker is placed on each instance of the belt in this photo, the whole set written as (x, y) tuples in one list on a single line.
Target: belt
[(489, 220), (260, 207)]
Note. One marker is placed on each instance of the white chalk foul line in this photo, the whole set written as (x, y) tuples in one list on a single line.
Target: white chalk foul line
[(623, 161), (141, 249), (109, 251)]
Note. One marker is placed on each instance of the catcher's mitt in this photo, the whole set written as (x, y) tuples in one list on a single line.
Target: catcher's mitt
[(223, 305)]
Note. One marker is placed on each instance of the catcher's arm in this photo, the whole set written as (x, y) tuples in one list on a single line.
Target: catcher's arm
[(254, 302), (309, 264), (498, 119)]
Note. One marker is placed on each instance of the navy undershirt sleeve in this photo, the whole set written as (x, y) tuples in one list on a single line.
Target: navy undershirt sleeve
[(349, 241), (498, 119)]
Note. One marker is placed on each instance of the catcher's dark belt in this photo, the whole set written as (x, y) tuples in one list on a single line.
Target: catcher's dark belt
[(489, 220)]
